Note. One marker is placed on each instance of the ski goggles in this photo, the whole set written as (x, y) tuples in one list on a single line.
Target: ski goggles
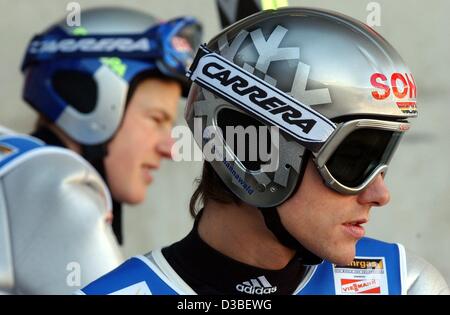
[(169, 44), (357, 152)]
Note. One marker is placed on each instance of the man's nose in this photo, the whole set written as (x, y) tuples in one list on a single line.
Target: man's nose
[(164, 147), (376, 194)]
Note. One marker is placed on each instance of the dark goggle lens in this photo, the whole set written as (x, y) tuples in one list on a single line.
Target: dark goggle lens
[(188, 39), (360, 154), (181, 39)]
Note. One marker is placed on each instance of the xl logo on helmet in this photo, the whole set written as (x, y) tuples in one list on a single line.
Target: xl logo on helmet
[(258, 96), (401, 85)]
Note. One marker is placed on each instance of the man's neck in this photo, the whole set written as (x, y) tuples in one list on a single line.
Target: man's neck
[(239, 232), (67, 141)]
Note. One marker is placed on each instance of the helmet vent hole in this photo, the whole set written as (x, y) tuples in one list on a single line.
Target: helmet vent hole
[(246, 145), (76, 88)]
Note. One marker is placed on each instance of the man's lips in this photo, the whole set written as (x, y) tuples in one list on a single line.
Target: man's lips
[(355, 228), (147, 169)]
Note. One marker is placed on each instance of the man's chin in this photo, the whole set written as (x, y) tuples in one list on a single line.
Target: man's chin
[(342, 258), (133, 198)]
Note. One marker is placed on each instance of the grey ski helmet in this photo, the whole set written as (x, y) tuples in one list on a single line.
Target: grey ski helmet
[(329, 69)]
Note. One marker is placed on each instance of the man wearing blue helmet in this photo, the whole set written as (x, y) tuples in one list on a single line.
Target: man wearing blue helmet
[(341, 99), (107, 90)]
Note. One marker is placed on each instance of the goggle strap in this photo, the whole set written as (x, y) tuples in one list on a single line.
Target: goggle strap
[(125, 46), (218, 75)]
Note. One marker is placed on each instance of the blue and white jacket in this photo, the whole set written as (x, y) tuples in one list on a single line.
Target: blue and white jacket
[(378, 268)]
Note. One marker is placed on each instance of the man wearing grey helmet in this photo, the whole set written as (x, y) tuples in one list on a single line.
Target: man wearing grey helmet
[(340, 98)]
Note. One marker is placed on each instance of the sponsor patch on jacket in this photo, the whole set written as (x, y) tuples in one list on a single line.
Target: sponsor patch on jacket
[(365, 275)]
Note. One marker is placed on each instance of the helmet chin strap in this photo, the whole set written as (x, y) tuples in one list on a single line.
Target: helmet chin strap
[(273, 222), (94, 152)]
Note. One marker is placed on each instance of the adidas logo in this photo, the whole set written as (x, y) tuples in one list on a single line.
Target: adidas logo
[(259, 285)]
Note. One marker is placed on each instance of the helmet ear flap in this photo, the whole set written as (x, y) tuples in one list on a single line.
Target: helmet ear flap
[(264, 182), (39, 93), (76, 88)]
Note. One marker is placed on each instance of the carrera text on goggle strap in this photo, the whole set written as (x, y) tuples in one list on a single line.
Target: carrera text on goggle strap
[(90, 44), (125, 46), (246, 91)]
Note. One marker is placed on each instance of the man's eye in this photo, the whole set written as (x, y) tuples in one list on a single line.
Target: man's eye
[(157, 119)]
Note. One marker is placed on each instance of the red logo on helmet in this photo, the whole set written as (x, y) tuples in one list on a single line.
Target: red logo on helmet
[(401, 85)]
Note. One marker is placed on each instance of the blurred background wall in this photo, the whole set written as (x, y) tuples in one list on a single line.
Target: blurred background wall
[(418, 215)]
